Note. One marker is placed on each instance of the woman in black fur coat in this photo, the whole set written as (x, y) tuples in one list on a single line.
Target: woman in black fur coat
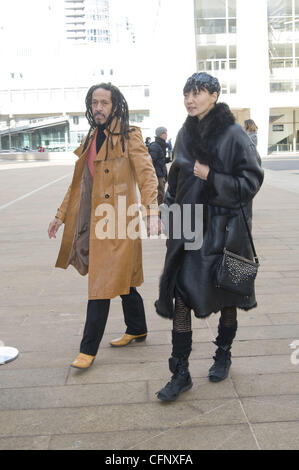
[(215, 166)]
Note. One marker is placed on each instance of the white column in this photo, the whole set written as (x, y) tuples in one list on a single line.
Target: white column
[(253, 65)]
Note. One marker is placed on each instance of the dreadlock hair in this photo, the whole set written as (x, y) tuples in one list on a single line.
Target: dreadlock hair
[(120, 111)]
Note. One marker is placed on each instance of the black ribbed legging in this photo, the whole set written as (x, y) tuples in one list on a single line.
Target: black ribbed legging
[(182, 317)]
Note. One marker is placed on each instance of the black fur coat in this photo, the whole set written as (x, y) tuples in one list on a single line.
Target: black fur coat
[(221, 143)]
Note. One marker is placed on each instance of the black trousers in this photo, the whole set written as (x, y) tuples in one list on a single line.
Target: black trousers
[(97, 315)]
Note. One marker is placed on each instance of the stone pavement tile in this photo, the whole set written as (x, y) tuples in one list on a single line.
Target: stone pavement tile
[(267, 347), (25, 443), (272, 408), (100, 441), (42, 338), (278, 436), (251, 318), (72, 395), (270, 275), (268, 288), (51, 311), (267, 384), (278, 303), (277, 283), (42, 318), (57, 359), (291, 274), (106, 355), (62, 356), (112, 373), (265, 409), (283, 266), (40, 298), (268, 332), (276, 243), (130, 417), (143, 370), (261, 365), (202, 335), (284, 318), (16, 378), (235, 437)]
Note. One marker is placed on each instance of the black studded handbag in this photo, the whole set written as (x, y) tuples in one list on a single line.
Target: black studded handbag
[(236, 273)]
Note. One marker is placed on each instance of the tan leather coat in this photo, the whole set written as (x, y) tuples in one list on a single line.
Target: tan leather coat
[(113, 264)]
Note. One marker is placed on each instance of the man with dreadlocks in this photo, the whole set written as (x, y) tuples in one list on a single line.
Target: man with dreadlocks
[(112, 159)]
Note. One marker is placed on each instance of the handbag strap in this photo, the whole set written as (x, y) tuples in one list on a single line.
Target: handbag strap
[(246, 224)]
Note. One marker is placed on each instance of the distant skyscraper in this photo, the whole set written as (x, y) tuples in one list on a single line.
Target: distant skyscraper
[(87, 21)]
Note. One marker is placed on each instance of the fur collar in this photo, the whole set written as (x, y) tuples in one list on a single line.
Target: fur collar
[(200, 134)]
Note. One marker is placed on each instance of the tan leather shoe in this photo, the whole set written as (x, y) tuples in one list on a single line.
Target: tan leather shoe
[(127, 339), (83, 361)]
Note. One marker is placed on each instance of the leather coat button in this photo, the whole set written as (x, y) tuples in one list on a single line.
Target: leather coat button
[(106, 171), (107, 196)]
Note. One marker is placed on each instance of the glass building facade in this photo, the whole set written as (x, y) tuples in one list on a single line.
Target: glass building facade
[(221, 41), (283, 24), (216, 43), (87, 21), (283, 27), (54, 138)]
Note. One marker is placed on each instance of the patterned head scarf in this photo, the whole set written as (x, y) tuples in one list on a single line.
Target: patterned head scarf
[(202, 81)]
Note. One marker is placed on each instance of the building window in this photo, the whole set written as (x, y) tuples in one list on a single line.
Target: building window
[(281, 86), (146, 92), (233, 88), (80, 137), (76, 120), (138, 116), (279, 8), (216, 27), (283, 25)]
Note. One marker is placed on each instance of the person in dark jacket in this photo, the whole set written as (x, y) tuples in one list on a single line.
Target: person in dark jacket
[(213, 157), (158, 151), (148, 142)]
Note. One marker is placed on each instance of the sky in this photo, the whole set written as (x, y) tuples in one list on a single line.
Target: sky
[(163, 57), (35, 19), (33, 39)]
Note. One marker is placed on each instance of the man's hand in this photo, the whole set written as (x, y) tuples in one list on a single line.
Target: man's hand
[(201, 171), (53, 227), (153, 225)]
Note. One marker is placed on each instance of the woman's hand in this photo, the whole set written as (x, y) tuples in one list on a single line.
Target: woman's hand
[(201, 171)]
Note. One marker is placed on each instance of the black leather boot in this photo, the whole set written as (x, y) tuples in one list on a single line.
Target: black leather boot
[(222, 359), (180, 381), (178, 364)]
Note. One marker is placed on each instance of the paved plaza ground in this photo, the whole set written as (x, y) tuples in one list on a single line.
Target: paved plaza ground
[(46, 404)]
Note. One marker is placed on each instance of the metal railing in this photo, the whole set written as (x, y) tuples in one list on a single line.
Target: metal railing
[(217, 64), (281, 148)]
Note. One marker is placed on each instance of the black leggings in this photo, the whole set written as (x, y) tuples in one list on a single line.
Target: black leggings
[(182, 317)]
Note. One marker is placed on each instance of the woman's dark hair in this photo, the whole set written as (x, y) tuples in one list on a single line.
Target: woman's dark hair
[(202, 81), (120, 111)]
